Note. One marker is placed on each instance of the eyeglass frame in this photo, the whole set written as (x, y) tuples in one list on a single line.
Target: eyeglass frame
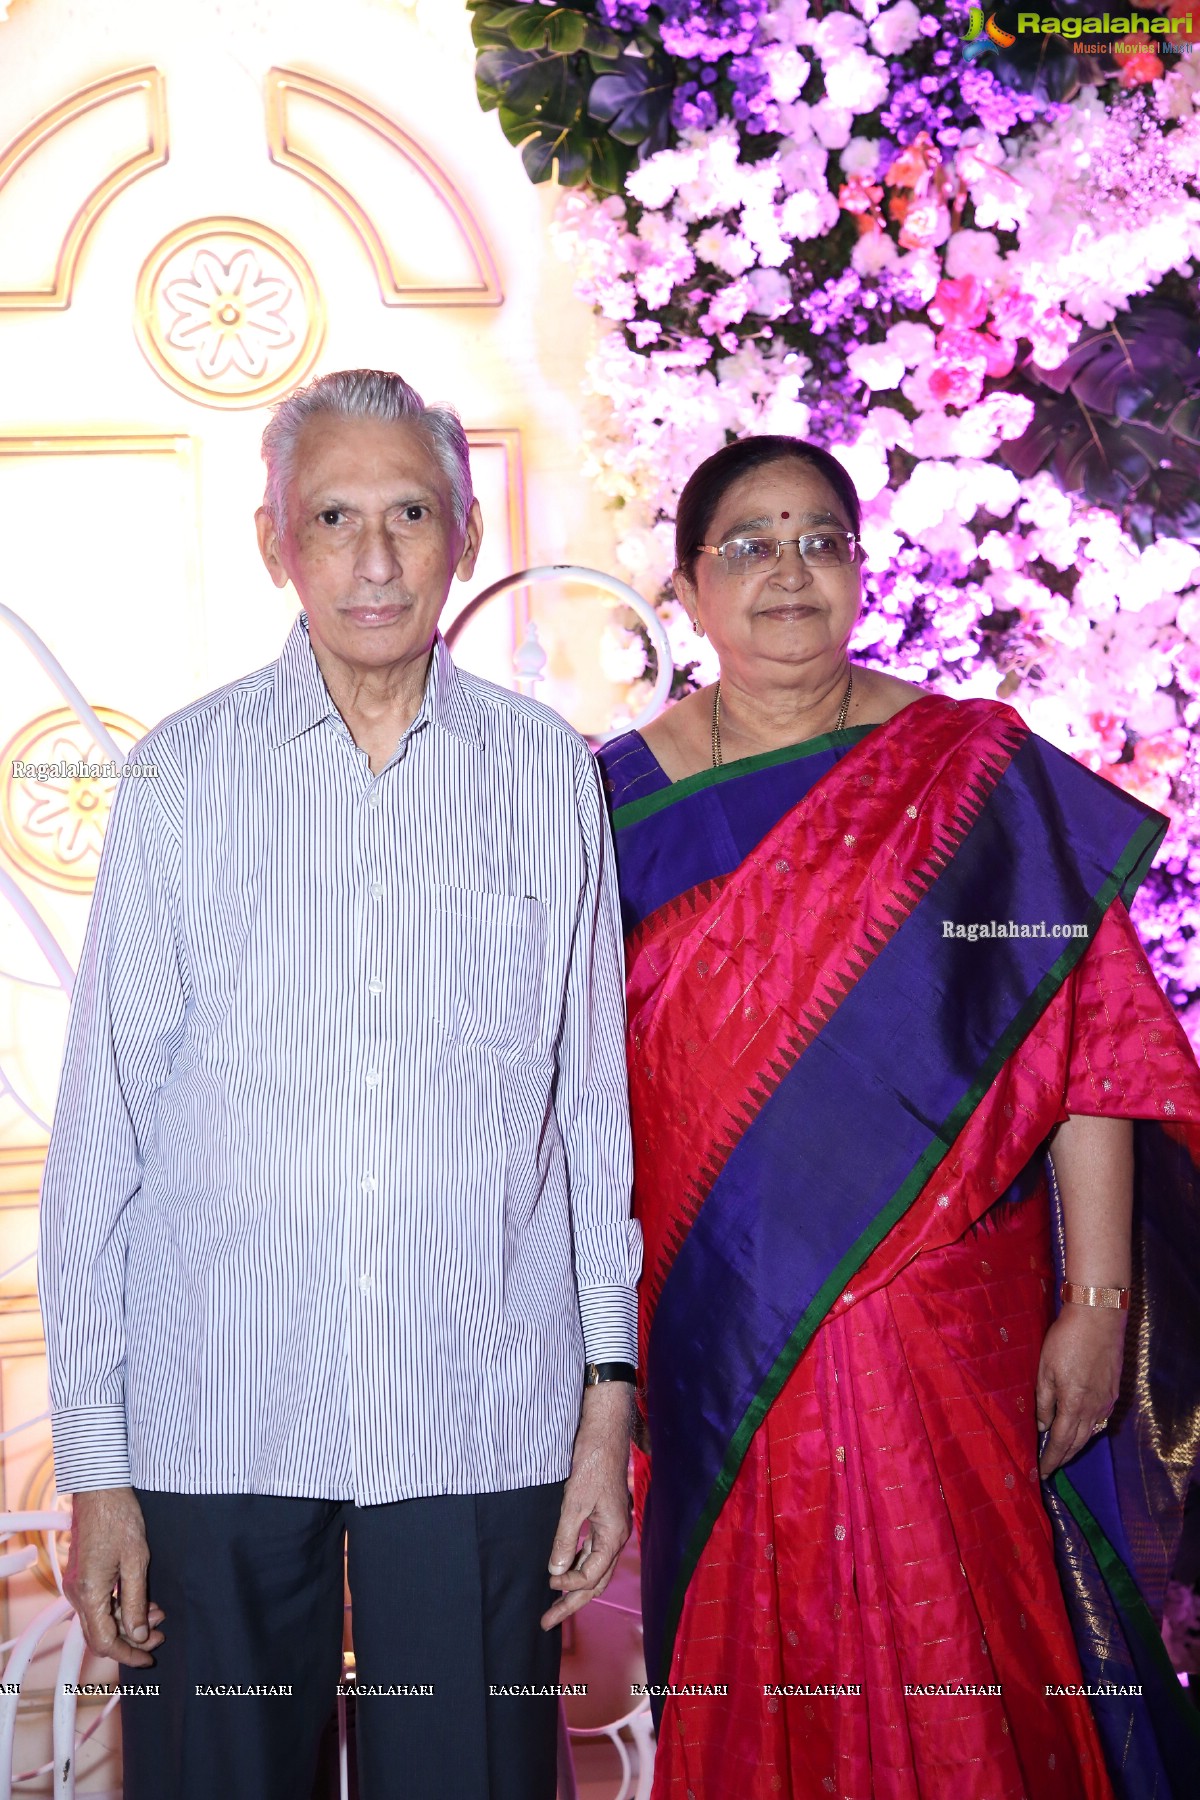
[(853, 538)]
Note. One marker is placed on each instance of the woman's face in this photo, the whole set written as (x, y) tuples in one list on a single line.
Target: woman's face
[(788, 612)]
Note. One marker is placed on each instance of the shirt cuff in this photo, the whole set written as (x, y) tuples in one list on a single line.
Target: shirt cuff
[(609, 1319), (91, 1449)]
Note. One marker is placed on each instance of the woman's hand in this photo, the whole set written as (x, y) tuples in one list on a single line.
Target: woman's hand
[(1079, 1377)]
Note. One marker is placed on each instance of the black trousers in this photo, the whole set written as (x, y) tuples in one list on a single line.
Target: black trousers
[(446, 1592)]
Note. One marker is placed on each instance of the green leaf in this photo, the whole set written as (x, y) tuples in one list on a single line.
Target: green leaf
[(1185, 420), (607, 168), (565, 31), (535, 86), (487, 27), (600, 42), (631, 101), (529, 29)]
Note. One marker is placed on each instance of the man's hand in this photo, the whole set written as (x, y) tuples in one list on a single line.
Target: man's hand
[(105, 1578), (1079, 1377), (596, 1497)]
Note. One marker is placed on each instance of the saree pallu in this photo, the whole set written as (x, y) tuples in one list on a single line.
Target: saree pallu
[(841, 1107)]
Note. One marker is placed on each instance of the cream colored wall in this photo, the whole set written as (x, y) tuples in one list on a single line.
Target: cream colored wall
[(127, 494)]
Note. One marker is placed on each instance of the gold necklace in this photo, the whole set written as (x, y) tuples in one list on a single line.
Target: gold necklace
[(718, 759)]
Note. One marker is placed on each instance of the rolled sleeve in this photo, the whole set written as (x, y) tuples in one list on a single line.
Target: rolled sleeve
[(592, 1099), (125, 1023)]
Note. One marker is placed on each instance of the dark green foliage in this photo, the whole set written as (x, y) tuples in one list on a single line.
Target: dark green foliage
[(570, 93)]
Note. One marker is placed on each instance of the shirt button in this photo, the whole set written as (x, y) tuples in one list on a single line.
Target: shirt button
[(374, 986), (365, 1284), (376, 890), (372, 1078), (374, 797), (368, 1184)]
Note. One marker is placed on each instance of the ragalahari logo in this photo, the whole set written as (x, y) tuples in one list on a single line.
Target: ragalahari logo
[(1124, 35), (984, 35)]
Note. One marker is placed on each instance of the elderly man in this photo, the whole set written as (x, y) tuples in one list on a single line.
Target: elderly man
[(335, 1212)]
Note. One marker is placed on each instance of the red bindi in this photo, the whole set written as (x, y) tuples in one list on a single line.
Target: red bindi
[(784, 515)]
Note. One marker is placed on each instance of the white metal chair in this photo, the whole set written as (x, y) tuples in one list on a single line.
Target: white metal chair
[(22, 1650)]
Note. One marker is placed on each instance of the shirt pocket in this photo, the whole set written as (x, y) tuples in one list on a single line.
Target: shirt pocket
[(488, 965)]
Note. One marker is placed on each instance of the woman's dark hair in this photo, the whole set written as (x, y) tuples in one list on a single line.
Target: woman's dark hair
[(707, 485)]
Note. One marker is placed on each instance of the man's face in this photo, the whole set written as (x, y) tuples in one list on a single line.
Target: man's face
[(370, 543)]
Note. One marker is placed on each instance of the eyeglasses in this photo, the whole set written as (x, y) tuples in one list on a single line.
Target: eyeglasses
[(816, 549)]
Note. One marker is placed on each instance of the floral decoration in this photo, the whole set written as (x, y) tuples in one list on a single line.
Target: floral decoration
[(972, 279)]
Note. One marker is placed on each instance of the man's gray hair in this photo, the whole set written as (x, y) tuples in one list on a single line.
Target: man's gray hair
[(363, 394)]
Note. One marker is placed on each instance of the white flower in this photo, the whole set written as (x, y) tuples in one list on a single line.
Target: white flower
[(771, 293), (857, 81), (836, 33), (785, 414), (874, 251), (897, 29), (878, 366), (787, 71), (788, 22), (657, 180), (973, 253), (622, 653), (831, 123), (986, 486), (725, 250), (911, 343), (925, 498), (1171, 564), (803, 166), (891, 427), (865, 463), (934, 434), (860, 156), (795, 120), (808, 215)]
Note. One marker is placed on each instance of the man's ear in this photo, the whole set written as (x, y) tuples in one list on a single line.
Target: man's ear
[(464, 568), (269, 547)]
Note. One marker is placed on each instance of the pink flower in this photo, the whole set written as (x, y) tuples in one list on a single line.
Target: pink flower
[(957, 372), (960, 303), (1000, 355), (1052, 336), (1013, 313), (926, 223)]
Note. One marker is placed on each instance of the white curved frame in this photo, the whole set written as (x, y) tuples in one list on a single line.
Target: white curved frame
[(609, 584), (21, 1652)]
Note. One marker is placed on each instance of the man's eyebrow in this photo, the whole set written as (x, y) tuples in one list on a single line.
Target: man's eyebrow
[(329, 502)]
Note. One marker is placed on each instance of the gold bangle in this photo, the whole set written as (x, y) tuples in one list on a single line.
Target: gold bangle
[(1078, 1295)]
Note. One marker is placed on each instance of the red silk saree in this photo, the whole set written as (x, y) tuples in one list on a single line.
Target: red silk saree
[(840, 1111)]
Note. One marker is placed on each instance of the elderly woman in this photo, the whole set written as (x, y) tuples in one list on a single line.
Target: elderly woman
[(886, 1175)]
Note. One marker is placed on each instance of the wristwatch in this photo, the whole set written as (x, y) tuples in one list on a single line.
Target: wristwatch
[(595, 1373)]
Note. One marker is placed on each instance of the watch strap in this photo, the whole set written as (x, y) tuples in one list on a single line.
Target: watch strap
[(595, 1373)]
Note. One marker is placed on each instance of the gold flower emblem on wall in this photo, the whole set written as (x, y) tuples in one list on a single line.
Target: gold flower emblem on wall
[(56, 792), (228, 313)]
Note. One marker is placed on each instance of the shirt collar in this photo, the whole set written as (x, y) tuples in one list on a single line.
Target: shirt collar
[(302, 700)]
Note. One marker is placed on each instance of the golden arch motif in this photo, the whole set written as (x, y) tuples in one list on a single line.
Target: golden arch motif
[(52, 821), (199, 256), (147, 81), (394, 290)]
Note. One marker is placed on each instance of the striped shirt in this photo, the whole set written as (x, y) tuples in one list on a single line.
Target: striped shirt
[(337, 1195)]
